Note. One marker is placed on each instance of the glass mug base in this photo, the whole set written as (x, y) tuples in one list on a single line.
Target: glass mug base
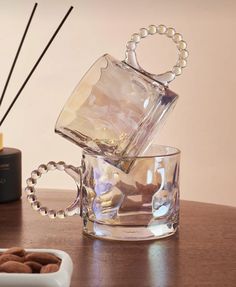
[(129, 233), (142, 204)]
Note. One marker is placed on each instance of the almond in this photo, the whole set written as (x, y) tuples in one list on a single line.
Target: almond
[(10, 257), (42, 258), (16, 251), (35, 266), (15, 267), (50, 268)]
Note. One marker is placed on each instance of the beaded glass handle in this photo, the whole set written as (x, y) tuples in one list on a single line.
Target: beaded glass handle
[(74, 172), (167, 77)]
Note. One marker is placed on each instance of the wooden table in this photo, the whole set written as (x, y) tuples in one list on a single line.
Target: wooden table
[(203, 253)]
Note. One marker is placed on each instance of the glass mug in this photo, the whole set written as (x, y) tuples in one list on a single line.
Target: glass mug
[(140, 205), (117, 107)]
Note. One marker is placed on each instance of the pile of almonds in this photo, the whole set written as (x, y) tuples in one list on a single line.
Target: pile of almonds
[(17, 260)]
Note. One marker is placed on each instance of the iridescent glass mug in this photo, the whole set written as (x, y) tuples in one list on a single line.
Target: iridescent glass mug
[(140, 205), (117, 108), (127, 189)]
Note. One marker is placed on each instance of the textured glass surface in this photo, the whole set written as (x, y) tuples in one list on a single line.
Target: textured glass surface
[(114, 110), (140, 205)]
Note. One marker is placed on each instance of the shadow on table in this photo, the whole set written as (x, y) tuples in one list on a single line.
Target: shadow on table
[(113, 263), (11, 223)]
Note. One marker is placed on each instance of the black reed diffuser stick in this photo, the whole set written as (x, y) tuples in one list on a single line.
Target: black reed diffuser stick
[(17, 53), (35, 65)]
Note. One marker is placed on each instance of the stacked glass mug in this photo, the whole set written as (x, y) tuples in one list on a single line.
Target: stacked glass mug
[(128, 189)]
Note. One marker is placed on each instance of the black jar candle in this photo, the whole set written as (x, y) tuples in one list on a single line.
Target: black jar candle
[(10, 173)]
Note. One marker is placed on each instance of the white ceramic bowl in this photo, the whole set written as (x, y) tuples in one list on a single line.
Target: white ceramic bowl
[(61, 278)]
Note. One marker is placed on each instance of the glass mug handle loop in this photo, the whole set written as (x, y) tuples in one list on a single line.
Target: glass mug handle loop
[(167, 77), (74, 172)]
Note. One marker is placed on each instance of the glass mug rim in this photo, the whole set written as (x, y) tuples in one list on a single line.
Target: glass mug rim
[(168, 151)]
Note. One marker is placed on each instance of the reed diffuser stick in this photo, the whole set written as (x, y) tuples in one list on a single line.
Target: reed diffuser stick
[(17, 53), (35, 66)]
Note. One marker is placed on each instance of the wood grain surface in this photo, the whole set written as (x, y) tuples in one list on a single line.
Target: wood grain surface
[(203, 253)]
